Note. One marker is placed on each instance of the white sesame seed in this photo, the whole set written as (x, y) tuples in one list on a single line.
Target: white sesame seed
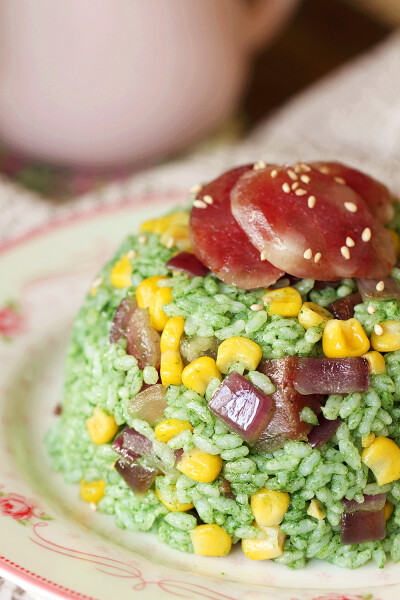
[(286, 188), (266, 298), (366, 235), (378, 329), (325, 170), (208, 199), (340, 180), (298, 169), (300, 192), (311, 201), (317, 257), (199, 204), (292, 174), (295, 185), (93, 506), (263, 255), (274, 173), (170, 243), (260, 164), (308, 254), (256, 307), (142, 239), (371, 310), (132, 254), (345, 252), (351, 207), (305, 178), (305, 167), (350, 242), (196, 188), (380, 286)]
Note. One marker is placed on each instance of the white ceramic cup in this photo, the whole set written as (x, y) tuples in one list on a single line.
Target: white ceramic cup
[(100, 82)]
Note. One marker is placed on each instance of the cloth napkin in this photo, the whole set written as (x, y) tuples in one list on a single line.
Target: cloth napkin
[(352, 115)]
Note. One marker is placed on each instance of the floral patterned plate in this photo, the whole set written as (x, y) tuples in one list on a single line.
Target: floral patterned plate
[(50, 542)]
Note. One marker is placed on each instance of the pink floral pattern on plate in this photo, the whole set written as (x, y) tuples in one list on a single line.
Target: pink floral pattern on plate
[(21, 509), (11, 321)]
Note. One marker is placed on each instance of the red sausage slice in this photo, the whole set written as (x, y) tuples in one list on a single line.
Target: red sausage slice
[(309, 225), (220, 243), (376, 195)]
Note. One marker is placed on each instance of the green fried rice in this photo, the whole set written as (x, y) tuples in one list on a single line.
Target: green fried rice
[(101, 374)]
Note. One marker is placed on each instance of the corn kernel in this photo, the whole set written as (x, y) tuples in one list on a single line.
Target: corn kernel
[(146, 290), (271, 546), (269, 507), (383, 458), (173, 506), (313, 315), (179, 217), (121, 273), (167, 429), (285, 302), (158, 318), (198, 374), (367, 440), (176, 235), (200, 466), (388, 510), (171, 368), (389, 340), (92, 491), (238, 350), (172, 333), (376, 362), (396, 242), (316, 510), (343, 339), (101, 427), (210, 540)]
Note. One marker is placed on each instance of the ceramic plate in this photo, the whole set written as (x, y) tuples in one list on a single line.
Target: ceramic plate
[(51, 543)]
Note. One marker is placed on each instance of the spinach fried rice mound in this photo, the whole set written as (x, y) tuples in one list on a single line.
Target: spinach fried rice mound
[(174, 380)]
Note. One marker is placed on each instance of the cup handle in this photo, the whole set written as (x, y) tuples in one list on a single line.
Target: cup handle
[(265, 19)]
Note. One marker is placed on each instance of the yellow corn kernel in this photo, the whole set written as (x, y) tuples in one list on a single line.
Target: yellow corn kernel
[(200, 466), (179, 217), (316, 510), (92, 491), (167, 429), (313, 315), (389, 340), (342, 339), (269, 507), (173, 506), (101, 427), (271, 546), (146, 291), (388, 510), (383, 458), (171, 368), (285, 302), (238, 350), (121, 273), (376, 362), (172, 333), (198, 374), (210, 540), (158, 318), (396, 242), (176, 235), (367, 440)]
